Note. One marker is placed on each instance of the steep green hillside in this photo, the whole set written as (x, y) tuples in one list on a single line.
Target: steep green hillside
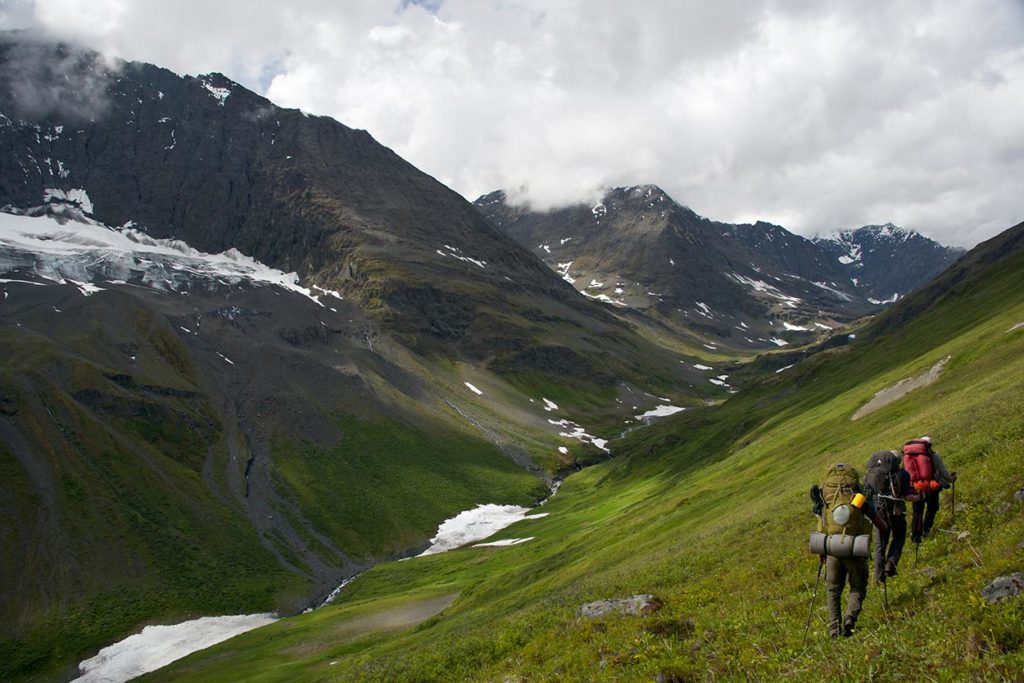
[(145, 477), (709, 512)]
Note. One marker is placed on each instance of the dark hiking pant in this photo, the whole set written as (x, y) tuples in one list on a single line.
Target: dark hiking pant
[(887, 552), (924, 516), (837, 571)]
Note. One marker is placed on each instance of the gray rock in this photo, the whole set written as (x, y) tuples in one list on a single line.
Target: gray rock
[(1003, 508), (1019, 495), (634, 604), (961, 507), (1003, 587)]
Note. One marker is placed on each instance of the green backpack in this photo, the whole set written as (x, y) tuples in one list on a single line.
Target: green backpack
[(841, 483)]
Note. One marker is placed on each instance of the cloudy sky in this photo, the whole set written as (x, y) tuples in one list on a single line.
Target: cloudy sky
[(813, 114)]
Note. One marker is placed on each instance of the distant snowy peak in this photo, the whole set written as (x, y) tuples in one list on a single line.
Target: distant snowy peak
[(856, 236), (886, 261)]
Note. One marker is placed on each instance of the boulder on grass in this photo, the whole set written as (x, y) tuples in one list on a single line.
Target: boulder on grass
[(1003, 587), (634, 604)]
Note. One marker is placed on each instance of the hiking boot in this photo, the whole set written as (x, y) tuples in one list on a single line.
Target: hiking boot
[(834, 631), (890, 568), (848, 627), (880, 577)]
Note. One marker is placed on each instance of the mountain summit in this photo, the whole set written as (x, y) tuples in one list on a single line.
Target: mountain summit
[(887, 261), (746, 286)]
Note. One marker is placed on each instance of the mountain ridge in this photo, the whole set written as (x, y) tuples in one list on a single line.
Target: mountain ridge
[(650, 244)]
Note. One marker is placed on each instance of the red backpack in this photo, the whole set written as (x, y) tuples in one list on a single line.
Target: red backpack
[(917, 460)]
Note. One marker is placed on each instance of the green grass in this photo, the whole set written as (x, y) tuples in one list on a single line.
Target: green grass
[(111, 525), (709, 511), (387, 484)]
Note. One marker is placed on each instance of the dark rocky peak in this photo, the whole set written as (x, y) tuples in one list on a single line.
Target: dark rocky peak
[(887, 261)]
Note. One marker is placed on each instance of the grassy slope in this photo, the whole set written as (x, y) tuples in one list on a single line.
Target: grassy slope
[(118, 523), (126, 528), (710, 513)]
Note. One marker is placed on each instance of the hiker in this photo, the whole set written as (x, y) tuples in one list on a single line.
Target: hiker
[(928, 476), (843, 541), (890, 488)]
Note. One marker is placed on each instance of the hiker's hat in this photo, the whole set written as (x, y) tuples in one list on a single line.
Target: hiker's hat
[(926, 439)]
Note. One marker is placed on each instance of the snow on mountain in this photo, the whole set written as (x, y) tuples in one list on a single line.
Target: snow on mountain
[(60, 244)]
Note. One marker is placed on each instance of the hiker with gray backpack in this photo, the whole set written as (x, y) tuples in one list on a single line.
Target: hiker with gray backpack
[(890, 490), (843, 542)]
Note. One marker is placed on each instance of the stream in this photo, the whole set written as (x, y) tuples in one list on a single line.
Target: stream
[(158, 646)]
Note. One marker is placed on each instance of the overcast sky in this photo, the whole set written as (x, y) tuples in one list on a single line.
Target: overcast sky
[(812, 114)]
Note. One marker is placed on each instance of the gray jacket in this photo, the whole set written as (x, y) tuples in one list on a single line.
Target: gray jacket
[(942, 474)]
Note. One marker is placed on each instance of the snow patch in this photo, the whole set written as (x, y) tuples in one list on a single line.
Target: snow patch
[(660, 411), (794, 328), (579, 433), (456, 253), (702, 367), (219, 94), (158, 646), (778, 342), (841, 295), (549, 405), (84, 251), (474, 389), (563, 270), (473, 525), (764, 287), (74, 198), (502, 543)]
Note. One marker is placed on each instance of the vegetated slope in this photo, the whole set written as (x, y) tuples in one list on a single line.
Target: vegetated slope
[(178, 440), (709, 511), (743, 286)]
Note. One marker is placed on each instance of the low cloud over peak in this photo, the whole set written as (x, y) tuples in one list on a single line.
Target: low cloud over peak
[(815, 116)]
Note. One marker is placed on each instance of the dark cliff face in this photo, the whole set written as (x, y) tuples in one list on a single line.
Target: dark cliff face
[(209, 162), (886, 260)]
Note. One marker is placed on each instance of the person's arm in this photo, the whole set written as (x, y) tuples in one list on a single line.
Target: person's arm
[(872, 513), (944, 477)]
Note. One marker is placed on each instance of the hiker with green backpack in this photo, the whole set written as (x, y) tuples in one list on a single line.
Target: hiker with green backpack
[(843, 542)]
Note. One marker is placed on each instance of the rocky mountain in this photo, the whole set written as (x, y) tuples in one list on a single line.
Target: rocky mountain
[(249, 352), (743, 286), (886, 262)]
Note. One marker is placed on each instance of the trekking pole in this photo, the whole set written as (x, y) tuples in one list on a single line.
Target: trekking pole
[(885, 595), (810, 610), (952, 504)]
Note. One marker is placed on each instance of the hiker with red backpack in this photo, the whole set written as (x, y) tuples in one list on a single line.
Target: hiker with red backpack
[(928, 476), (891, 490)]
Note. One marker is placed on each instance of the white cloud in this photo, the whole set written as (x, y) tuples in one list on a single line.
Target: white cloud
[(815, 115)]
